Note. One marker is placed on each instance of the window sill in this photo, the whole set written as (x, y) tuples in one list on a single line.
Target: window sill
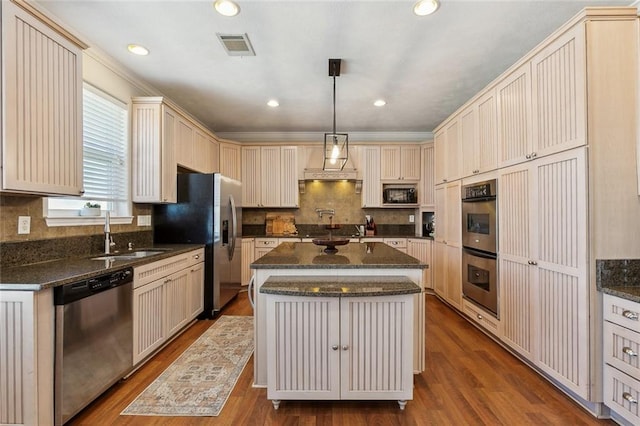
[(86, 220)]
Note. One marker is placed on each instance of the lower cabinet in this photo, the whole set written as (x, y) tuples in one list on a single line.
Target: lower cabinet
[(422, 249), (167, 295), (340, 348), (248, 256), (447, 273)]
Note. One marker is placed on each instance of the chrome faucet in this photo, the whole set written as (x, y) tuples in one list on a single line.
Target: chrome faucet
[(108, 239), (320, 212)]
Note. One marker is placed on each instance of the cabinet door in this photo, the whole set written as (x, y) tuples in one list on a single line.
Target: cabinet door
[(202, 152), (390, 163), (440, 146), (42, 107), (177, 311), (251, 176), (558, 75), (195, 303), (513, 97), (421, 250), (440, 269), (453, 152), (453, 213), (376, 359), (487, 133), (441, 218), (454, 276), (289, 176), (410, 167), (371, 186), (517, 285), (168, 186), (214, 165), (248, 256), (232, 162), (469, 141), (270, 164), (561, 271), (184, 143), (303, 335), (149, 330), (427, 183)]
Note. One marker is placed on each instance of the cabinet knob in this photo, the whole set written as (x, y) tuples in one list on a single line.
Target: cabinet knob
[(630, 315), (628, 397), (479, 316), (627, 350), (334, 347), (197, 256), (528, 156), (534, 154), (345, 347)]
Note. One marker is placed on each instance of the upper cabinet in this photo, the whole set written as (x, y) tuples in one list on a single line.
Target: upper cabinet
[(269, 176), (164, 138), (371, 185), (230, 160), (478, 136), (42, 106), (400, 163), (448, 149), (426, 197)]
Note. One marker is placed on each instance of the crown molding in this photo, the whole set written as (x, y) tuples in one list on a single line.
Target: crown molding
[(318, 137)]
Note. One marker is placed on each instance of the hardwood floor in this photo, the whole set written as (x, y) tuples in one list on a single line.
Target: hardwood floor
[(469, 380)]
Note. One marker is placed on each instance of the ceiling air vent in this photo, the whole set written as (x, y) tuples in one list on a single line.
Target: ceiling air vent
[(236, 44)]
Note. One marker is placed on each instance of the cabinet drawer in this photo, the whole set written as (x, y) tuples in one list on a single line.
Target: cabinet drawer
[(621, 394), (481, 317), (266, 243), (622, 312), (396, 242), (622, 348), (196, 257), (150, 272)]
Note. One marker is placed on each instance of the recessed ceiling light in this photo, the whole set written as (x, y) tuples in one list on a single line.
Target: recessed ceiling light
[(273, 103), (425, 7), (136, 49), (380, 102), (226, 7)]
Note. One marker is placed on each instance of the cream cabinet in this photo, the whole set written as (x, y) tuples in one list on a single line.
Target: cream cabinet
[(41, 105), (230, 160), (270, 176), (185, 140), (263, 246), (396, 243), (196, 150), (481, 317), (543, 265), (426, 196), (371, 184), (478, 136), (400, 163), (248, 256), (321, 348), (447, 252), (422, 249), (205, 153), (621, 335), (167, 295), (448, 152)]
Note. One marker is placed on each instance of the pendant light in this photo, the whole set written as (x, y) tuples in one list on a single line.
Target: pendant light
[(336, 145)]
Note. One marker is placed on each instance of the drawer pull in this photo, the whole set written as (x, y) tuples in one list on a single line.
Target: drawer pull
[(628, 397), (334, 347), (630, 315), (345, 348), (479, 316), (627, 350)]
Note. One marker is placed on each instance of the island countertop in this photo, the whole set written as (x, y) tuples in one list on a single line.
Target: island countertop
[(339, 286), (349, 256)]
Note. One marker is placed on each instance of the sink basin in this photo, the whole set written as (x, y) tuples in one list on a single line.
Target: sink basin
[(129, 256)]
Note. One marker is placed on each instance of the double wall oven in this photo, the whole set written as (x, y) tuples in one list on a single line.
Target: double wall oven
[(479, 242)]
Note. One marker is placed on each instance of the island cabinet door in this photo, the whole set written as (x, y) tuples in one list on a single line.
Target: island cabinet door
[(303, 347), (377, 347)]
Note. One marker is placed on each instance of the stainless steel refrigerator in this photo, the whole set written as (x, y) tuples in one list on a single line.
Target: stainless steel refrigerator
[(209, 212)]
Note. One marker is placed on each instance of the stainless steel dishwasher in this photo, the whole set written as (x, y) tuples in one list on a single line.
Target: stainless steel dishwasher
[(94, 339)]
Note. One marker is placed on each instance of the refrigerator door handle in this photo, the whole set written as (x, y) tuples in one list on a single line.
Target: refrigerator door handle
[(252, 283), (234, 227)]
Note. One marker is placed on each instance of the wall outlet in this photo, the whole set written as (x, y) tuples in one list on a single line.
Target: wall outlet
[(144, 220), (412, 218), (24, 224)]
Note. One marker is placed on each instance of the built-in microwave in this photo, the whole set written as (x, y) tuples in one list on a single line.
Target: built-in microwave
[(399, 194)]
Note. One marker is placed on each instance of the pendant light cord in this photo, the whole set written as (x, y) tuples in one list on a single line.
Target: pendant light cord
[(334, 99)]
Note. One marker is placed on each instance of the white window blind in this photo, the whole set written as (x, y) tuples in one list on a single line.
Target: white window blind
[(105, 147)]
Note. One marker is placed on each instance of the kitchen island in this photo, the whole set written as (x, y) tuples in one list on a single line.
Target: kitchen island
[(351, 260)]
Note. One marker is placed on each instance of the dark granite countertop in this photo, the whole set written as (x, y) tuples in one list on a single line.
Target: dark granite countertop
[(39, 276), (357, 286), (619, 277), (342, 236), (349, 256)]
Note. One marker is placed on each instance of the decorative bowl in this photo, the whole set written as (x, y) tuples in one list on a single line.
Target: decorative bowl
[(330, 243)]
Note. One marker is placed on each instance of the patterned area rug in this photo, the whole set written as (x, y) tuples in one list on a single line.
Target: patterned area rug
[(199, 382)]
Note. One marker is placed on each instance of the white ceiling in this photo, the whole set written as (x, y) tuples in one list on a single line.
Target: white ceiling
[(424, 67)]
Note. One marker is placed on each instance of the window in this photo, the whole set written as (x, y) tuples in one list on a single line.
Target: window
[(105, 162)]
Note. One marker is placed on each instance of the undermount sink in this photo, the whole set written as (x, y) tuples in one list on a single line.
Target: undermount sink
[(129, 256)]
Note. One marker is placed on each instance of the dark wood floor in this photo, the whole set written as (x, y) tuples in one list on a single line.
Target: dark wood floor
[(469, 380)]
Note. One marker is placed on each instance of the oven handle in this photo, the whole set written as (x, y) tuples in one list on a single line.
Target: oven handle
[(479, 199), (480, 253)]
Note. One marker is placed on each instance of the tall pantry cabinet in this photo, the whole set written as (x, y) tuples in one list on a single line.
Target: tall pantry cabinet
[(566, 117)]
